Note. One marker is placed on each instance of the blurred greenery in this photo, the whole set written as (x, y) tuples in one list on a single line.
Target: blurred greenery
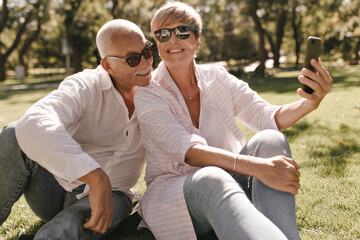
[(230, 33)]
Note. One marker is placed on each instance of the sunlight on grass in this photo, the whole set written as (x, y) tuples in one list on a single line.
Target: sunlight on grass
[(326, 143)]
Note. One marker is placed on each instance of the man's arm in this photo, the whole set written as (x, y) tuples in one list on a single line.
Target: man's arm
[(100, 198), (321, 82), (43, 135)]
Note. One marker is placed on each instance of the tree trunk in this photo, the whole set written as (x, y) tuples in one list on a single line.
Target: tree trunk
[(69, 22), (27, 45), (279, 36), (2, 68), (21, 30), (270, 40), (228, 33), (262, 53), (296, 26)]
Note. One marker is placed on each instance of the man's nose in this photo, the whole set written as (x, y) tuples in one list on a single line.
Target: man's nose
[(144, 61)]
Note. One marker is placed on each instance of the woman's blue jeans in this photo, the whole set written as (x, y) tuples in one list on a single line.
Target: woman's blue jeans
[(221, 201), (63, 212)]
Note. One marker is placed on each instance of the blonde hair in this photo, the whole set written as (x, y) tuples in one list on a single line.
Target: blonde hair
[(173, 12)]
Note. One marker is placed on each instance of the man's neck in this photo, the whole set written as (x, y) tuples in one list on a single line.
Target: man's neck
[(127, 94)]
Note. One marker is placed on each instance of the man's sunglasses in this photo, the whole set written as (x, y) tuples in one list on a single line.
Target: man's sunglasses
[(135, 59), (181, 32)]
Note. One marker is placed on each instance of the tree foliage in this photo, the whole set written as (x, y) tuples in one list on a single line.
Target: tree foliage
[(234, 31), (17, 21)]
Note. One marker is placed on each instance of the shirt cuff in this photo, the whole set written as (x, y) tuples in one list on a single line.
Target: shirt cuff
[(193, 140), (273, 124), (75, 169)]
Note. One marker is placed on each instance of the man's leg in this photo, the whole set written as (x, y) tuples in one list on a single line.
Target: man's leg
[(278, 206), (216, 201), (19, 174), (68, 224)]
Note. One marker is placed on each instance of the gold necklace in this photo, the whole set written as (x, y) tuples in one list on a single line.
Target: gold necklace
[(191, 93)]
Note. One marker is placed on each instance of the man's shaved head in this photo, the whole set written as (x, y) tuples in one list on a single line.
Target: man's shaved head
[(108, 34)]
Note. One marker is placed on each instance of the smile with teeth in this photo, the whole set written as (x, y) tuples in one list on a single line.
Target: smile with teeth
[(175, 50), (143, 74)]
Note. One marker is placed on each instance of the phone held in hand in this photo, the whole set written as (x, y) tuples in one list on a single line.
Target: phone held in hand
[(313, 47)]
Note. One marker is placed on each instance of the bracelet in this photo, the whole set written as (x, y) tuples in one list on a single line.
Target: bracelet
[(247, 167), (235, 163)]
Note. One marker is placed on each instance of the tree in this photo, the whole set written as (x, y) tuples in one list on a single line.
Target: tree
[(33, 30), (253, 10), (72, 31), (18, 18), (296, 26), (274, 14), (82, 19)]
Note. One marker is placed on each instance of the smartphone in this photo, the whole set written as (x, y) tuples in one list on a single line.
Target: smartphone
[(313, 48)]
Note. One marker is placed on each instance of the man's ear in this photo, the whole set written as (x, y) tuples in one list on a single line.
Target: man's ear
[(105, 64)]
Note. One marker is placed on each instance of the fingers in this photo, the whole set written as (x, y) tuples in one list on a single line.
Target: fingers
[(320, 82), (98, 223), (322, 71), (291, 176), (293, 189), (101, 203), (292, 162)]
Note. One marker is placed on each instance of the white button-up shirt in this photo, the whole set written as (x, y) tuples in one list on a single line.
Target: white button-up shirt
[(81, 126), (167, 134)]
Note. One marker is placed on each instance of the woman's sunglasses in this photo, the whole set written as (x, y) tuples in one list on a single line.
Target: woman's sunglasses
[(135, 59), (181, 32)]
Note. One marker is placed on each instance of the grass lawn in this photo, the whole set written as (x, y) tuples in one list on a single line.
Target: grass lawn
[(326, 143)]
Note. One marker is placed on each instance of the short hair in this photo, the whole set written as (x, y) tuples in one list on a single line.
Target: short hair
[(173, 12), (107, 31)]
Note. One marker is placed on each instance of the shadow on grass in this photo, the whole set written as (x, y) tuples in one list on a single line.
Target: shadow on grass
[(332, 156), (288, 82), (30, 230)]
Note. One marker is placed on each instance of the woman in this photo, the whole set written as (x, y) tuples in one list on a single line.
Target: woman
[(198, 162)]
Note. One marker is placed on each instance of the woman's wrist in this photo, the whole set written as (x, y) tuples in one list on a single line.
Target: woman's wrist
[(241, 164)]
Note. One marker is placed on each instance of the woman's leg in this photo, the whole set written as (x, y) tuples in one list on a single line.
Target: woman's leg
[(278, 206), (216, 201)]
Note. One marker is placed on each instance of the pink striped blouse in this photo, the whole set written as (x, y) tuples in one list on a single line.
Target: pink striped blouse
[(167, 133)]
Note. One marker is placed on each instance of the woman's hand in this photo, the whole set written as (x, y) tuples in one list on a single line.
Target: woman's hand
[(280, 173), (320, 82)]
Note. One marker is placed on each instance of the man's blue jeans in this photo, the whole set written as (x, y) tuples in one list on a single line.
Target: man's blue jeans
[(63, 212), (220, 201)]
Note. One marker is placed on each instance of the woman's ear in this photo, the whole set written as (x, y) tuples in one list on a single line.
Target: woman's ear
[(105, 64), (197, 44)]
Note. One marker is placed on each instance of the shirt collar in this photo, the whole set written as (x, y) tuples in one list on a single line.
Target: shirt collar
[(106, 82)]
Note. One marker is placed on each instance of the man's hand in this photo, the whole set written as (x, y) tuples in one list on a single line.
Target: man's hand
[(280, 173), (320, 82), (101, 203)]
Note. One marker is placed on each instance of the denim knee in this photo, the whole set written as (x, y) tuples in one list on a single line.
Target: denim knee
[(8, 135), (269, 143), (209, 181)]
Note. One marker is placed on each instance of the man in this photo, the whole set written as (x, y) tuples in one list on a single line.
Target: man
[(76, 153)]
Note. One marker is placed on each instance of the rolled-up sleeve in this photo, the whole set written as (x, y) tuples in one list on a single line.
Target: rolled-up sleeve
[(160, 127), (43, 133), (250, 108)]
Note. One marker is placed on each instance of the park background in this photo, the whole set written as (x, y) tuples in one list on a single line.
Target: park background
[(261, 42)]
